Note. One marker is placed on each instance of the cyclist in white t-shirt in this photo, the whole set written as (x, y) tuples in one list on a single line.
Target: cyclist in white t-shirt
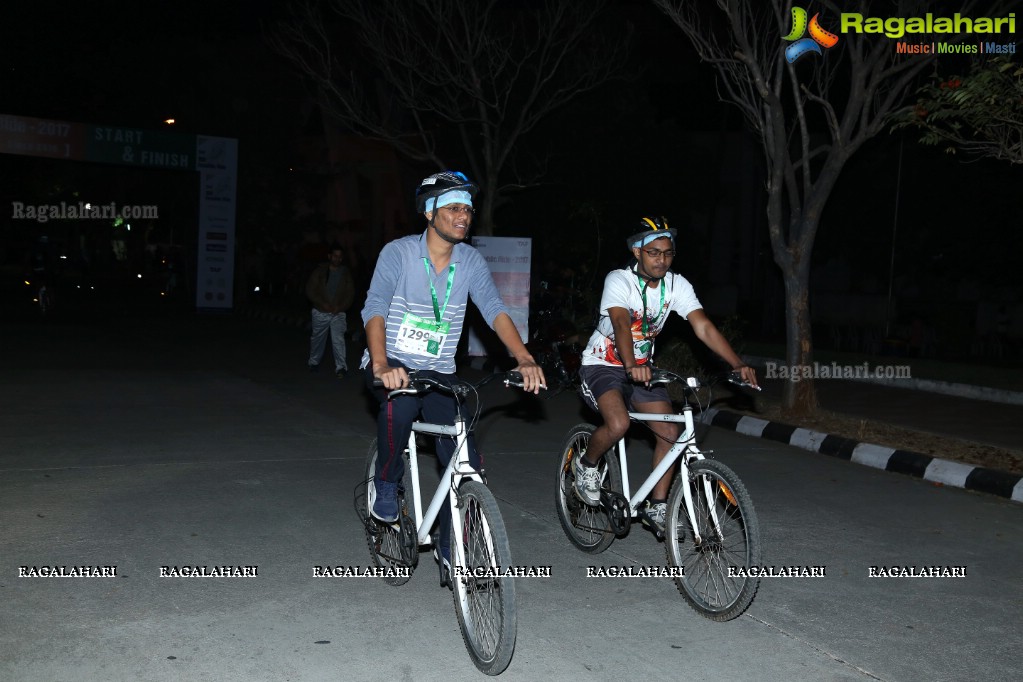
[(616, 363)]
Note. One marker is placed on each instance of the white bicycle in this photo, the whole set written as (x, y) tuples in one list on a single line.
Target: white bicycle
[(484, 597), (712, 528)]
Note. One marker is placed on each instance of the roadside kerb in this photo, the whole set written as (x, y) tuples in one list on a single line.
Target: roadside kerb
[(927, 467)]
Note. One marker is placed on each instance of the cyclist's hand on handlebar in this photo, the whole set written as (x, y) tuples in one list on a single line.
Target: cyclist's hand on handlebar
[(640, 374), (392, 377), (532, 377), (748, 375)]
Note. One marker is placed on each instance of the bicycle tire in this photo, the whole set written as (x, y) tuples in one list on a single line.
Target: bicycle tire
[(706, 584), (587, 527), (484, 606), (384, 540)]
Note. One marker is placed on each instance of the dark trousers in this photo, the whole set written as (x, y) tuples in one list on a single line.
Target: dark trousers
[(394, 425)]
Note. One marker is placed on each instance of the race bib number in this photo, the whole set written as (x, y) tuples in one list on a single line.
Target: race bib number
[(421, 337), (641, 349)]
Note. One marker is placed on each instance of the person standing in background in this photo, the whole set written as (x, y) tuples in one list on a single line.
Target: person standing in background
[(331, 289)]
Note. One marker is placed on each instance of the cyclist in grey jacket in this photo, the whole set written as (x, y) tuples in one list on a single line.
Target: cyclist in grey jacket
[(414, 314)]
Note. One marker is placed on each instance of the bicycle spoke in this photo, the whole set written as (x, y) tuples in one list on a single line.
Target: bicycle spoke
[(587, 526), (482, 589), (485, 604), (726, 524), (384, 540)]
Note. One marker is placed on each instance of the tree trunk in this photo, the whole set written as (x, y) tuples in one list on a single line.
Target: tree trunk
[(483, 225), (800, 396)]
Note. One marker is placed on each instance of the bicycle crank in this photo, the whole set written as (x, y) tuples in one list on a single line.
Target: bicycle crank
[(617, 508), (408, 543)]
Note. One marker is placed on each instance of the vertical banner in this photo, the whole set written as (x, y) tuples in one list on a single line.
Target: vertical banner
[(509, 259), (216, 159)]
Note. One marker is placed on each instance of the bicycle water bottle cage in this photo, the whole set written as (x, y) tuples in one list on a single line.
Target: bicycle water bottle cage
[(617, 507)]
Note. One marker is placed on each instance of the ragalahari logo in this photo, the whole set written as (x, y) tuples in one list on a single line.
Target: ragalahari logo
[(818, 36)]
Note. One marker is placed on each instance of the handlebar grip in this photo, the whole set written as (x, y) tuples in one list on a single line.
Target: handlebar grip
[(736, 378), (412, 377), (513, 378)]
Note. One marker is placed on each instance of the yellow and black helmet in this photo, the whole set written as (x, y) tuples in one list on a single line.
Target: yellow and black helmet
[(651, 228)]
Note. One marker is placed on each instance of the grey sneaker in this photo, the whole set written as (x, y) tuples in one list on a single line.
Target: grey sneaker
[(587, 481), (653, 515)]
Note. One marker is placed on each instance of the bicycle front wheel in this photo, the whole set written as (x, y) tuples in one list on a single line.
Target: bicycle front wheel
[(484, 597), (718, 552), (587, 526), (392, 547)]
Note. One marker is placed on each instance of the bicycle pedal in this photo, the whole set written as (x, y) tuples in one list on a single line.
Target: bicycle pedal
[(445, 570), (650, 525)]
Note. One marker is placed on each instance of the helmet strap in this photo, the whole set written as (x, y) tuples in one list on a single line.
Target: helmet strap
[(644, 276)]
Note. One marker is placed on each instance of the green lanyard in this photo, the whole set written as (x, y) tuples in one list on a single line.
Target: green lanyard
[(438, 312), (647, 321)]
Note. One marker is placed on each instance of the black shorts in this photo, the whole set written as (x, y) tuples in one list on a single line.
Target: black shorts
[(599, 379)]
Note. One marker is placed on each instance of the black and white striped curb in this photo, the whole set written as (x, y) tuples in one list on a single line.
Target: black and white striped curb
[(929, 468)]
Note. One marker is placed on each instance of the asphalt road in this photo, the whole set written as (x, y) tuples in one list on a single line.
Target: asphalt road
[(150, 442)]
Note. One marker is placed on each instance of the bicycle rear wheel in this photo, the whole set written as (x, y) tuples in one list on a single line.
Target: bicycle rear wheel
[(391, 546), (484, 598), (713, 583), (587, 526)]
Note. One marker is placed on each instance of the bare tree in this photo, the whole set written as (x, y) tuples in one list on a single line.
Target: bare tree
[(484, 73), (979, 113), (811, 116)]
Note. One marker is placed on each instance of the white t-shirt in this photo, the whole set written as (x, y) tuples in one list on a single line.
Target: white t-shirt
[(623, 289)]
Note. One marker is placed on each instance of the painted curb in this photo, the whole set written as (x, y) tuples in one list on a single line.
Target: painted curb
[(926, 467)]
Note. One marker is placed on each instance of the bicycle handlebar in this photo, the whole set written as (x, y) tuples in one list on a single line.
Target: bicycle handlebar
[(421, 383), (663, 376)]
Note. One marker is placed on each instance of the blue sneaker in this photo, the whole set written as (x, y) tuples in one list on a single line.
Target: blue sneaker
[(385, 507)]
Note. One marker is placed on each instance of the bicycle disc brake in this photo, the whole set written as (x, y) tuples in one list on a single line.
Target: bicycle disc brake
[(617, 509)]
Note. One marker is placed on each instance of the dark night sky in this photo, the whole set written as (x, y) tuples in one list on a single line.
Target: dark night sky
[(124, 63)]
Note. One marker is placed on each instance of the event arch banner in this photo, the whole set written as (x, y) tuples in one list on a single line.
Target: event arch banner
[(214, 158)]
